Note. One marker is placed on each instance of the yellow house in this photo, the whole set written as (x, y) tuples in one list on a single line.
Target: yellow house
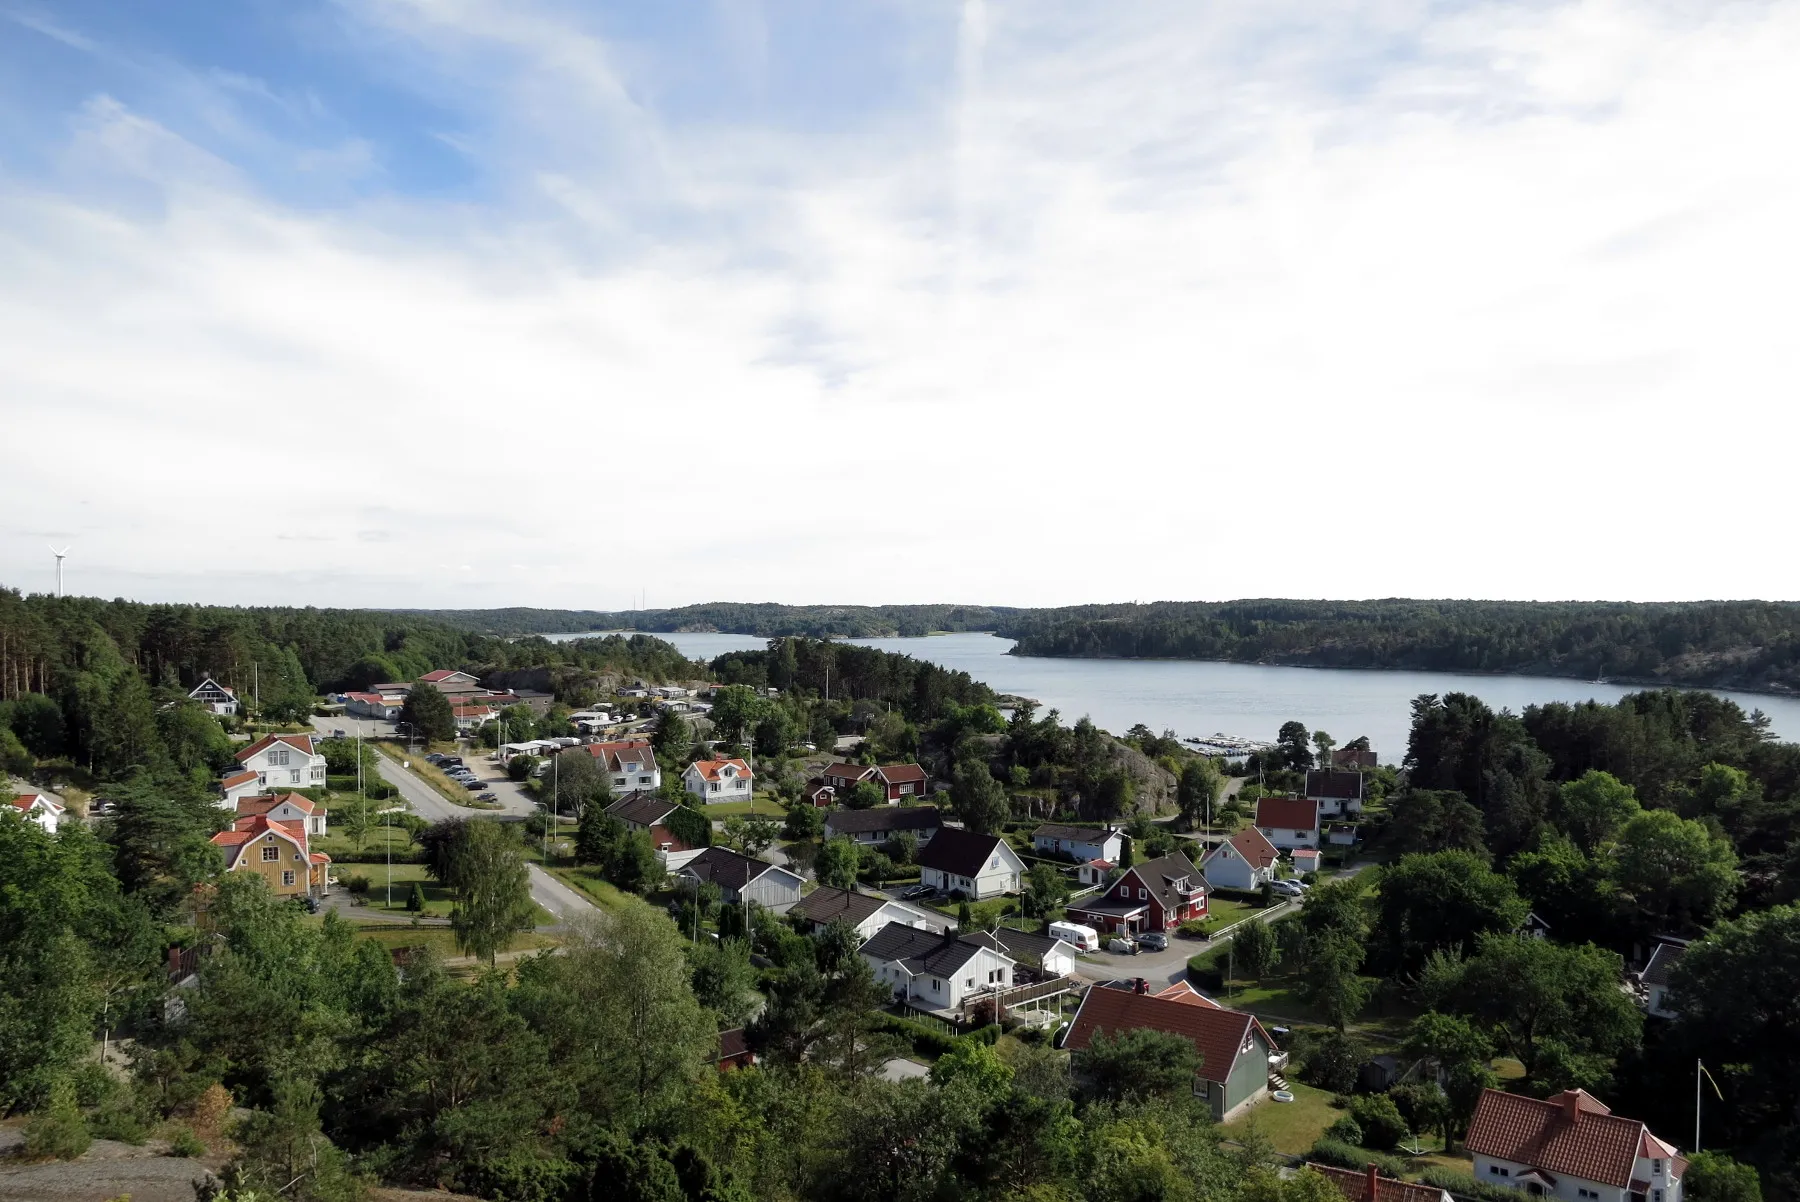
[(278, 852)]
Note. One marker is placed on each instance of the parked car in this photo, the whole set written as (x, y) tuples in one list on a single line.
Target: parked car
[(454, 760), (488, 796), (1286, 889), (916, 892), (471, 784), (434, 757), (337, 732), (1122, 946), (1156, 941)]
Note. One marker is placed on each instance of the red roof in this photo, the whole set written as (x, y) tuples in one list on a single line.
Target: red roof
[(247, 830), (1218, 1035), (900, 774), (1253, 846), (1187, 995), (471, 711), (1287, 813), (709, 769), (1354, 1185), (250, 807), (1571, 1132), (236, 779), (848, 772), (302, 743), (24, 801), (439, 676)]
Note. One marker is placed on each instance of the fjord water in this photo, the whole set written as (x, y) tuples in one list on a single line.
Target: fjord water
[(1193, 697)]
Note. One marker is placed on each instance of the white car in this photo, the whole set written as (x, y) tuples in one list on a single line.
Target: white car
[(1287, 889)]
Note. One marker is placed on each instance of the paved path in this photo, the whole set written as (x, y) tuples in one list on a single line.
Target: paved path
[(557, 897)]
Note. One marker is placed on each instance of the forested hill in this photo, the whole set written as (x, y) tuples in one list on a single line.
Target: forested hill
[(1724, 644), (756, 618)]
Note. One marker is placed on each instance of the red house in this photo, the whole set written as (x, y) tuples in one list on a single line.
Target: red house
[(1157, 895), (898, 782)]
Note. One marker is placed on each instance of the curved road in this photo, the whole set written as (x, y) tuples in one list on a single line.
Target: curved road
[(428, 804)]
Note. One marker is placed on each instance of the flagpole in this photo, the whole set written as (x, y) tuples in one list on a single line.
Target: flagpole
[(1697, 1071)]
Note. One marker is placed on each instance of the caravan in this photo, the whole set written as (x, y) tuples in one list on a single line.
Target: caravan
[(1086, 939)]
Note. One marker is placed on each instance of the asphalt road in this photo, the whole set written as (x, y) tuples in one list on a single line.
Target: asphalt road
[(428, 804)]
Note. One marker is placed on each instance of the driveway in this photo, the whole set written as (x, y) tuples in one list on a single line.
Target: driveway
[(557, 897)]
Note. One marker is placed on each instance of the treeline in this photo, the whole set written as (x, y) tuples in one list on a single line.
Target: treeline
[(764, 619), (1738, 644), (849, 673)]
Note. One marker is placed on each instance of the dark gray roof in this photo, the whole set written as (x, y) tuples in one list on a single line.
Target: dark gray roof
[(883, 818), (645, 809), (1161, 874), (1662, 963), (920, 951), (1020, 945), (827, 904), (954, 850), (1077, 834), (1338, 784), (725, 868)]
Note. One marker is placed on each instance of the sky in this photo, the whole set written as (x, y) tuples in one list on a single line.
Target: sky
[(466, 303)]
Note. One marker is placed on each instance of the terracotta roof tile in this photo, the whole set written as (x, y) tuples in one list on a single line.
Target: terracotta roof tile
[(1287, 813), (1354, 1185), (1571, 1132), (1218, 1035), (709, 769), (1252, 845)]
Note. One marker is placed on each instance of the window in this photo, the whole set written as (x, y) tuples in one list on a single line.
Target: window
[(715, 786), (287, 878), (1584, 1192), (969, 984), (294, 777), (618, 780), (1658, 1196), (1201, 1087), (271, 854), (1143, 894), (1656, 1166), (934, 984), (642, 780)]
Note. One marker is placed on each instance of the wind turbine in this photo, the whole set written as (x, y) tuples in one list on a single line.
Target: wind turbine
[(60, 556)]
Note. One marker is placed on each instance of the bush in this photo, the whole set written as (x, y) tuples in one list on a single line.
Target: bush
[(520, 1178), (1345, 1130), (1467, 1185), (122, 1117), (989, 1034), (926, 1041), (357, 883), (415, 900), (185, 1143), (1195, 928), (1328, 1059), (1349, 1156), (58, 1131), (1380, 1121)]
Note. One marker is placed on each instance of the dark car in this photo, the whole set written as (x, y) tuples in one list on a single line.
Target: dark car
[(916, 892), (455, 761), (488, 796), (471, 784), (435, 757), (1156, 941)]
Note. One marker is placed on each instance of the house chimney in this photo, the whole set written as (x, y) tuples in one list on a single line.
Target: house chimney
[(1374, 1178), (1571, 1101), (1140, 985)]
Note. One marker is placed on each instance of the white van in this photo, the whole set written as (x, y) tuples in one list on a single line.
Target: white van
[(1085, 938)]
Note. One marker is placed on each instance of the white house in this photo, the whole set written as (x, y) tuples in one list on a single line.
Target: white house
[(715, 781), (741, 878), (1656, 976), (284, 761), (285, 807), (867, 913), (234, 786), (382, 707), (1288, 822), (35, 807), (1244, 861), (1085, 843), (935, 971), (628, 763), (977, 866), (215, 697), (1048, 955), (471, 718), (1339, 791), (1570, 1146)]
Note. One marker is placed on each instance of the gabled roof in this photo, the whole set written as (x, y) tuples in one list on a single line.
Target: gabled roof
[(1354, 1185), (726, 868), (1338, 784), (1163, 876), (710, 769), (25, 802), (1218, 1035), (443, 674), (1288, 813), (247, 830), (883, 818), (732, 1044), (840, 770), (1662, 962), (1572, 1133), (920, 951), (249, 807), (472, 711), (643, 809), (1021, 945), (1346, 757), (1073, 834), (233, 780), (210, 683), (1187, 995), (828, 904), (1249, 843), (301, 743), (901, 774), (961, 852)]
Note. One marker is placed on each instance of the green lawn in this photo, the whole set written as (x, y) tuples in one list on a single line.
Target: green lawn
[(337, 844), (1292, 1127), (441, 939), (760, 803), (590, 884), (437, 898), (1225, 911)]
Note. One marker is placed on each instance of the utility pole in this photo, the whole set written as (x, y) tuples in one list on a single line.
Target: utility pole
[(1697, 1071)]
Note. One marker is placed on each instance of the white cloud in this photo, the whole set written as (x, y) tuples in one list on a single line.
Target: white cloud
[(1332, 300)]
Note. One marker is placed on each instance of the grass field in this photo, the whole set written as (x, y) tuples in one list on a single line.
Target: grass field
[(440, 939), (336, 844), (437, 898), (590, 884), (1292, 1127), (760, 803), (1225, 911)]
